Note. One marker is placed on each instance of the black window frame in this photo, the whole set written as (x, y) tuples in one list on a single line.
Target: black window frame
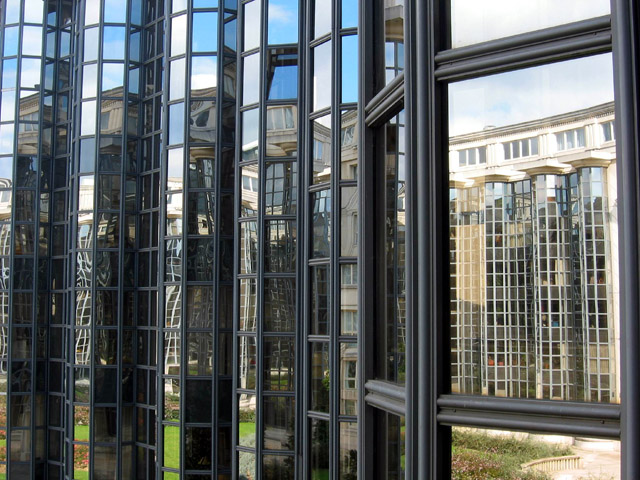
[(422, 90)]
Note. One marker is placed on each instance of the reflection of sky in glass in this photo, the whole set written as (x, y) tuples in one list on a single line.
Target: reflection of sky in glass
[(178, 5), (113, 45), (283, 21), (473, 21), (30, 73), (112, 76), (134, 46), (179, 35), (91, 12), (134, 81), (230, 38), (176, 123), (322, 18), (6, 139), (176, 83), (203, 72), (6, 169), (10, 41), (90, 44), (251, 25), (251, 79), (205, 32), (349, 13), (249, 130), (9, 72), (87, 155), (8, 106), (89, 81), (350, 68), (529, 94), (284, 83), (175, 168), (115, 11), (33, 11), (322, 76), (32, 40), (88, 118), (205, 3), (12, 8)]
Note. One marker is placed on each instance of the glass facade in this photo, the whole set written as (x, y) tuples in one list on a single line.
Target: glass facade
[(276, 239)]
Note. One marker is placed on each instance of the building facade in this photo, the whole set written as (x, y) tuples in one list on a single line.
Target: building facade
[(275, 239)]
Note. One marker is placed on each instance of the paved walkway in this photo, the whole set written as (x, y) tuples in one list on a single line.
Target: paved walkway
[(595, 466)]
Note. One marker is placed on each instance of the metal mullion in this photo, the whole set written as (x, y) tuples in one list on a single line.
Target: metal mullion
[(304, 437), (261, 229), (334, 268)]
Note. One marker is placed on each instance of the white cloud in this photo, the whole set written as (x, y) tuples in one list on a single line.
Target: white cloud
[(474, 21), (282, 14), (529, 94)]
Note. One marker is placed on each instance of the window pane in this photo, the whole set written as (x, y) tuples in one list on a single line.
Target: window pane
[(322, 59), (282, 74), (393, 38), (533, 258), (283, 21), (473, 22)]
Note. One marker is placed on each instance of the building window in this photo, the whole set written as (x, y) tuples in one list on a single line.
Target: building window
[(608, 131), (570, 139), (521, 148), (472, 156)]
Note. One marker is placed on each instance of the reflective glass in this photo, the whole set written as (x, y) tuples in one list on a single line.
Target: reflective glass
[(199, 307), (280, 305), (349, 299), (12, 9), (177, 79), (92, 13), (319, 437), (249, 192), (247, 464), (348, 450), (197, 450), (349, 145), (472, 22), (349, 222), (201, 213), (322, 60), (278, 466), (8, 106), (88, 118), (280, 248), (204, 32), (393, 38), (202, 121), (252, 27), (247, 363), (176, 123), (250, 134), (532, 266), (201, 167), (115, 11), (200, 353), (280, 189), (113, 44), (319, 300), (9, 74), (248, 305), (178, 5), (251, 79), (32, 40), (112, 79), (279, 423), (320, 377), (30, 74), (282, 131), (321, 154), (349, 13), (350, 69), (282, 78), (321, 224), (283, 22), (91, 44), (178, 35), (248, 247), (279, 363), (90, 81), (321, 18), (348, 379), (11, 35), (6, 139), (175, 169), (171, 447), (204, 76)]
